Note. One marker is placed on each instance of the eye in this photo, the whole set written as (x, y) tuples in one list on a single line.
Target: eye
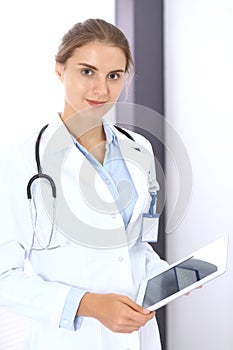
[(86, 71), (113, 76)]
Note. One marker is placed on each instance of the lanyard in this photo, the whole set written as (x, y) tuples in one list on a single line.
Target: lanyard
[(152, 203), (150, 222)]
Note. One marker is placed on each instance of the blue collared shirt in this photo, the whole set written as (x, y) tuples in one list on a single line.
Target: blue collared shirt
[(115, 174)]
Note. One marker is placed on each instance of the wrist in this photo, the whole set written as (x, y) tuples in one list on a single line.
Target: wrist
[(85, 308)]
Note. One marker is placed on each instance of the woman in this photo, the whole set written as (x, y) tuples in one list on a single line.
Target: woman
[(88, 267)]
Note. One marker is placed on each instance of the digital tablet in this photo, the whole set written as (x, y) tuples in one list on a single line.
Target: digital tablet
[(181, 277)]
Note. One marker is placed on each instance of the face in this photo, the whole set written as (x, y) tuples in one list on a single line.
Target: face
[(93, 78)]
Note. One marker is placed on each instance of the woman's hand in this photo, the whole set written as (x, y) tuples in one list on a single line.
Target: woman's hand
[(117, 312)]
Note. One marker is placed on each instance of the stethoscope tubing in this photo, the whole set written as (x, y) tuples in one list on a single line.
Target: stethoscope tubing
[(40, 175)]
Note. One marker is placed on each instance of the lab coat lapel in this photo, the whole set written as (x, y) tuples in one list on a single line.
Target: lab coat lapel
[(138, 163), (87, 176)]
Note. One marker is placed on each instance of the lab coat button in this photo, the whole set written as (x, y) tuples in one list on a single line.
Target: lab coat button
[(114, 216), (120, 258)]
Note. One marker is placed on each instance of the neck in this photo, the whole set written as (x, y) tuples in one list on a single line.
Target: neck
[(92, 138), (88, 132)]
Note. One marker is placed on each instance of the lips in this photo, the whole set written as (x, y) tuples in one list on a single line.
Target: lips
[(94, 103)]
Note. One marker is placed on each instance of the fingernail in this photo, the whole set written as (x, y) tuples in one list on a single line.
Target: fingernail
[(145, 311)]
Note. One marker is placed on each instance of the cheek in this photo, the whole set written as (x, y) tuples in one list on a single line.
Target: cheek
[(75, 87), (116, 90)]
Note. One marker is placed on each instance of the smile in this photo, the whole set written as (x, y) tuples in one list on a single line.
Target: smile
[(94, 103)]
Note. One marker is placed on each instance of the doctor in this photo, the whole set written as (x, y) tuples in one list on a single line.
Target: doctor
[(82, 232)]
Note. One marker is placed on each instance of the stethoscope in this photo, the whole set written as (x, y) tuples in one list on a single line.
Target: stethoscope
[(40, 175)]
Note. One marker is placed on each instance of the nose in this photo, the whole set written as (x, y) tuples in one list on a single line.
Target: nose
[(100, 87)]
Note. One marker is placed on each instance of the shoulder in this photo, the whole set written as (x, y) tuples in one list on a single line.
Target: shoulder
[(19, 156)]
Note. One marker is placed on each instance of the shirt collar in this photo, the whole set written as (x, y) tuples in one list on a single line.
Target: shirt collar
[(110, 134)]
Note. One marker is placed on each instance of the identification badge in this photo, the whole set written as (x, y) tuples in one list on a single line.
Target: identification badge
[(150, 227)]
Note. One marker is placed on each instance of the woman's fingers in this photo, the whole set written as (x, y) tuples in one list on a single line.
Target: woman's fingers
[(133, 305), (118, 313)]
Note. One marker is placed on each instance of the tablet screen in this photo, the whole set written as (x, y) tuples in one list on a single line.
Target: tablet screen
[(175, 279)]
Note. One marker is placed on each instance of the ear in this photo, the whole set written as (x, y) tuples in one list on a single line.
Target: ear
[(59, 69)]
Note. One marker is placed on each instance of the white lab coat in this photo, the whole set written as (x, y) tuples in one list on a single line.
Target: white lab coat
[(86, 261)]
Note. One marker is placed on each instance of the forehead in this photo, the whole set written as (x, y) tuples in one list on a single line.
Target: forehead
[(101, 55)]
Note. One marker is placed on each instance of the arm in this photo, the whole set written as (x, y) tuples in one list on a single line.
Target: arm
[(154, 264), (27, 295), (30, 296)]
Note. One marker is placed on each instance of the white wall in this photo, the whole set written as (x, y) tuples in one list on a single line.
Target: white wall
[(198, 94), (30, 32)]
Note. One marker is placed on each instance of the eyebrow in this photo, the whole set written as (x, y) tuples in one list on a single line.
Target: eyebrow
[(96, 69)]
